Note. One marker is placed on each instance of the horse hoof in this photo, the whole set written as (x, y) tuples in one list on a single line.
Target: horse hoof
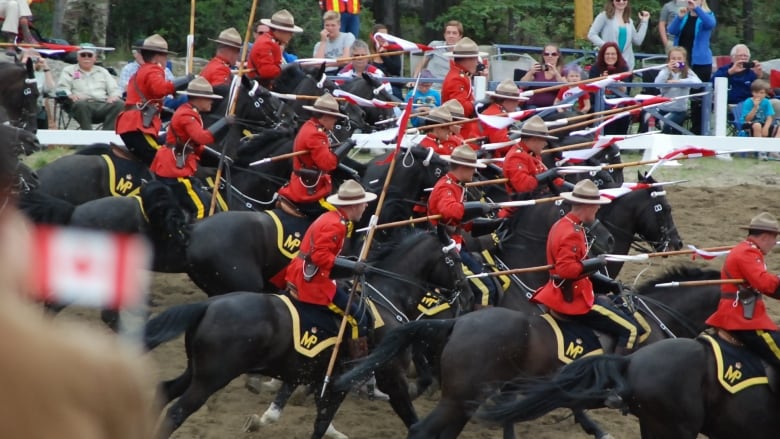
[(251, 424), (332, 433), (253, 384), (271, 416), (607, 436), (272, 385)]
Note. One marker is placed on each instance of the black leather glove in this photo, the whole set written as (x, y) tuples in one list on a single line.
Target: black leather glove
[(593, 264), (356, 267), (474, 209), (181, 82), (604, 284), (342, 150), (547, 176), (217, 127)]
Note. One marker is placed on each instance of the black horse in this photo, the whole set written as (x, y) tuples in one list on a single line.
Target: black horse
[(246, 332), (514, 345), (368, 87), (19, 95)]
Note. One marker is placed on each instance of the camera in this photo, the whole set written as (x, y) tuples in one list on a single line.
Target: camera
[(480, 67), (546, 67), (679, 64), (748, 64)]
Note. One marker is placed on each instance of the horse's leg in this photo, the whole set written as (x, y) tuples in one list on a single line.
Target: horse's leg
[(209, 379), (327, 407), (172, 389), (509, 431), (274, 411), (445, 421), (391, 380), (589, 425)]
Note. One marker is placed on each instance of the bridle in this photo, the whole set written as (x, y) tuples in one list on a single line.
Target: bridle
[(657, 209)]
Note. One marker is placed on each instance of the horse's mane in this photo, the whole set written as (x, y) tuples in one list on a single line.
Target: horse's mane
[(679, 273)]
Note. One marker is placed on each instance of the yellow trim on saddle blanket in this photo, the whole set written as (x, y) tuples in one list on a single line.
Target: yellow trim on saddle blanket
[(295, 242), (141, 206), (430, 305), (727, 377), (571, 352), (118, 188), (301, 342), (220, 201), (503, 279), (645, 327)]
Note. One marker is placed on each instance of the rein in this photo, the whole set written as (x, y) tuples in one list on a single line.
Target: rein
[(635, 238), (676, 315)]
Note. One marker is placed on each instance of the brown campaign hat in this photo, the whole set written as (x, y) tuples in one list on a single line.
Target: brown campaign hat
[(282, 20), (455, 108), (764, 221), (466, 48), (535, 127), (155, 43), (350, 192), (229, 37), (585, 192), (438, 115), (507, 89), (465, 156), (326, 104), (200, 88)]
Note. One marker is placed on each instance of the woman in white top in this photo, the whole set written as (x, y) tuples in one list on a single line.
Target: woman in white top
[(615, 24), (676, 71)]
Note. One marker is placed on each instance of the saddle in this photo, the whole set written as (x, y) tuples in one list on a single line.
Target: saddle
[(736, 366)]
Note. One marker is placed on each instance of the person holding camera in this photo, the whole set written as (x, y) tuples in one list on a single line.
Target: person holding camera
[(547, 70), (692, 29), (676, 71), (740, 74)]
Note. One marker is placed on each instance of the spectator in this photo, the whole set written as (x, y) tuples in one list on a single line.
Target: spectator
[(668, 12), (16, 15), (170, 102), (93, 93), (390, 64), (266, 55), (740, 74), (608, 62), (676, 71), (74, 364), (356, 67), (757, 112), (333, 43), (692, 28), (44, 81), (350, 17), (547, 70), (425, 97), (614, 24), (437, 61), (218, 70), (573, 73)]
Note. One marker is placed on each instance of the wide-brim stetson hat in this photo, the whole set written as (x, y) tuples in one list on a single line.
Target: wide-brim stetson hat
[(455, 108), (465, 156), (155, 43), (350, 192), (764, 221), (465, 48), (326, 104), (200, 88), (507, 89), (229, 37), (535, 127), (438, 115), (585, 192), (282, 20)]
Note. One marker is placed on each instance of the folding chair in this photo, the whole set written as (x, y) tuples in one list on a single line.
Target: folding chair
[(62, 117)]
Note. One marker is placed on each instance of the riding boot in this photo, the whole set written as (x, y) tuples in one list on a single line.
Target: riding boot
[(358, 348)]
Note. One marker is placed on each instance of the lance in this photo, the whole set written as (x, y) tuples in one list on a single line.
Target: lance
[(591, 119), (191, 40), (699, 283), (232, 110), (276, 158), (646, 256), (512, 271), (618, 76)]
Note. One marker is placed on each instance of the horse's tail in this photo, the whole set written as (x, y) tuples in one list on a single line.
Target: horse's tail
[(392, 344), (172, 322), (584, 383), (43, 208)]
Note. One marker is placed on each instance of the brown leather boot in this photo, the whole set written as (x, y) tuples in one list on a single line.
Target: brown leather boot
[(358, 347)]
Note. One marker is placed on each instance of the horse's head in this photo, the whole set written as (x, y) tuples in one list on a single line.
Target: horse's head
[(19, 94), (257, 107), (370, 87)]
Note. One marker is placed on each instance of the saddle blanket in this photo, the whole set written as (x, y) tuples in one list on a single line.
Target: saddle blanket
[(573, 340), (315, 328), (432, 303), (289, 231), (737, 367), (124, 176)]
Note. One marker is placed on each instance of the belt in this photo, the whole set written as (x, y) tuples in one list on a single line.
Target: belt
[(732, 296), (131, 107)]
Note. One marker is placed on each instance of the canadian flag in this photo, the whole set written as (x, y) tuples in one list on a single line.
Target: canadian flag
[(705, 254), (90, 268), (397, 43)]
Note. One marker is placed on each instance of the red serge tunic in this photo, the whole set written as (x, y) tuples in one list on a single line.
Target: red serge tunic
[(446, 200), (566, 248), (495, 135), (745, 261), (217, 72), (454, 141), (311, 137), (521, 166), (457, 85), (266, 59), (322, 242), (186, 126), (149, 80), (438, 146)]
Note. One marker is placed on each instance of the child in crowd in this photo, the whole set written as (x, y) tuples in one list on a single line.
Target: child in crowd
[(573, 73), (425, 98), (676, 71), (757, 111)]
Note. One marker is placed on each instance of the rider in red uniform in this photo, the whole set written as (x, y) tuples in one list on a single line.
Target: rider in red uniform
[(455, 140), (139, 124), (217, 71), (741, 310), (176, 163), (436, 137), (569, 291), (310, 181), (266, 55), (505, 99), (308, 274), (457, 83)]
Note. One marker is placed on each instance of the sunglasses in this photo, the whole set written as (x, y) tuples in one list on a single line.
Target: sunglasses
[(620, 1), (550, 53), (85, 55)]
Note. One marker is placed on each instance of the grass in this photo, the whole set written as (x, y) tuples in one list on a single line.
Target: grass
[(41, 158)]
